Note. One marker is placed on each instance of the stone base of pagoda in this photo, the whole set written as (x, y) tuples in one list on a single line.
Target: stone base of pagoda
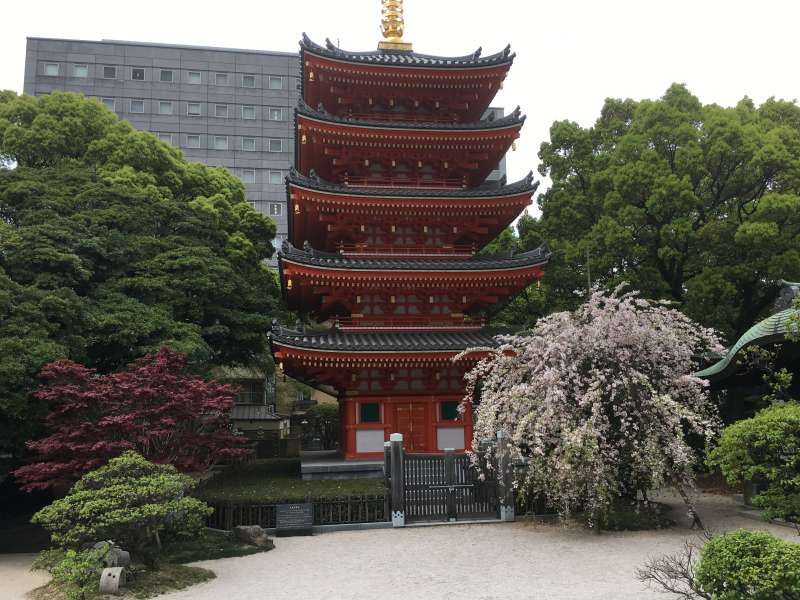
[(426, 421)]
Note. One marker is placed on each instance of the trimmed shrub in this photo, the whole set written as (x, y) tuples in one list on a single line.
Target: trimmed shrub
[(75, 574), (765, 448), (130, 500), (750, 565)]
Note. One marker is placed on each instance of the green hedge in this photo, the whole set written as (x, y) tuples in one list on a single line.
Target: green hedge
[(765, 448), (750, 565)]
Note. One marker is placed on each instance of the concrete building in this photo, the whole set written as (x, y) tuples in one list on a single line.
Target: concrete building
[(221, 106)]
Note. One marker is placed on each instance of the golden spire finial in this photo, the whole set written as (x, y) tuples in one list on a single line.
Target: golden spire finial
[(392, 26)]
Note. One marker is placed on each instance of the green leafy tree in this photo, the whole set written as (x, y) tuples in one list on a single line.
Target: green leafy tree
[(130, 501), (693, 203), (113, 245), (765, 448)]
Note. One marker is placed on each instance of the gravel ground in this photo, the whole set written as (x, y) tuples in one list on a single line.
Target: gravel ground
[(15, 576), (510, 561)]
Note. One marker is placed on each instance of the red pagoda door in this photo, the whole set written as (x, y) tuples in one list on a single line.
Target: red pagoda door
[(411, 423)]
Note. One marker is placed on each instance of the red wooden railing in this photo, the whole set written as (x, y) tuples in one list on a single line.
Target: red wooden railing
[(401, 117), (404, 182), (429, 322), (444, 251)]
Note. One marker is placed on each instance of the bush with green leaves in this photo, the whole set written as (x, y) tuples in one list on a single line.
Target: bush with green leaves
[(75, 573), (765, 448), (129, 500), (749, 565)]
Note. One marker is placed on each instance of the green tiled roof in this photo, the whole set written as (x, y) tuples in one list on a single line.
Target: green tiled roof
[(771, 330)]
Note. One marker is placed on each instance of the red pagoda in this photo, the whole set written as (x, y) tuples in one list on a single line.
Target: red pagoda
[(388, 208)]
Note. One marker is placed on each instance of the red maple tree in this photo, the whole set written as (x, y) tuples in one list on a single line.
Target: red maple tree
[(154, 407)]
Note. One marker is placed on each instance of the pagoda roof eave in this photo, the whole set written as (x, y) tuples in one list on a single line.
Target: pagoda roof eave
[(407, 59), (514, 119), (334, 261), (419, 342), (499, 189)]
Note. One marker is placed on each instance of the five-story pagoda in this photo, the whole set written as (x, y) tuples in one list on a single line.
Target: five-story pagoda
[(388, 207)]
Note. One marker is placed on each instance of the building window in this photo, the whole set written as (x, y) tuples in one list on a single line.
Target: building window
[(137, 73), (450, 410), (369, 412), (110, 103), (52, 69), (276, 177), (165, 76), (165, 107), (81, 71), (137, 106), (220, 142), (193, 109), (276, 145), (275, 210), (192, 141), (249, 175), (221, 110), (249, 81), (109, 72), (220, 79), (248, 112), (275, 83), (276, 114), (249, 144), (194, 77), (165, 137)]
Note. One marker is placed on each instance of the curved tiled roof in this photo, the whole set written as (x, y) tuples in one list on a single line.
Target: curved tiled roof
[(514, 118), (418, 341), (486, 190), (771, 330), (407, 58), (332, 260)]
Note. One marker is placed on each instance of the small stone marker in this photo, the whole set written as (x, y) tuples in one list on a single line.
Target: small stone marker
[(294, 519), (112, 580)]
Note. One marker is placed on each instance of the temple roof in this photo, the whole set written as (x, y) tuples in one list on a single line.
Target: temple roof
[(332, 260), (421, 341), (512, 119), (486, 190), (404, 58), (772, 330)]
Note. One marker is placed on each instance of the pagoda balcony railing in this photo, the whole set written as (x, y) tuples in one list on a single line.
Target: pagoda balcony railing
[(401, 117), (409, 323), (372, 181), (443, 251)]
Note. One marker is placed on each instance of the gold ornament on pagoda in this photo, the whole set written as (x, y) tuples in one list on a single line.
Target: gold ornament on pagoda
[(392, 25)]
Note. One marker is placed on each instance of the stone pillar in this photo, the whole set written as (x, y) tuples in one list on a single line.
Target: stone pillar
[(505, 477), (396, 466), (387, 479)]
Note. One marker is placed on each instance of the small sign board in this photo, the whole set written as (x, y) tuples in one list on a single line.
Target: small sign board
[(294, 519)]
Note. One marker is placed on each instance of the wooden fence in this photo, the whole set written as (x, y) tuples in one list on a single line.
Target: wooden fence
[(327, 511)]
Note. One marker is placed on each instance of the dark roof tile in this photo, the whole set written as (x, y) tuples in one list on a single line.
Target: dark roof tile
[(404, 58)]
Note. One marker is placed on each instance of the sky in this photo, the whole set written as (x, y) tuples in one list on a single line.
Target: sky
[(571, 54)]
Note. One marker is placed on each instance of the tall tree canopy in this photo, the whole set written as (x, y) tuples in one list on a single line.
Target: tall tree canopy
[(693, 203), (113, 245)]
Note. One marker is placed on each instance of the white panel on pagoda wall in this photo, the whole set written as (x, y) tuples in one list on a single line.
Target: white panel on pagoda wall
[(450, 437), (371, 440)]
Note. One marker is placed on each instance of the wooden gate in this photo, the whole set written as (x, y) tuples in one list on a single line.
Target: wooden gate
[(446, 488), (443, 487)]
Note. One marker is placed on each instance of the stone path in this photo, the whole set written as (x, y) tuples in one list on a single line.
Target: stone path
[(514, 561)]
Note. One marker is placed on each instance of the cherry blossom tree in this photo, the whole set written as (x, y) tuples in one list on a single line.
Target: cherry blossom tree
[(599, 402), (155, 407)]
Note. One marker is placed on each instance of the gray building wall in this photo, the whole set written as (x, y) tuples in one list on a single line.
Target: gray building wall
[(245, 100), (254, 123)]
